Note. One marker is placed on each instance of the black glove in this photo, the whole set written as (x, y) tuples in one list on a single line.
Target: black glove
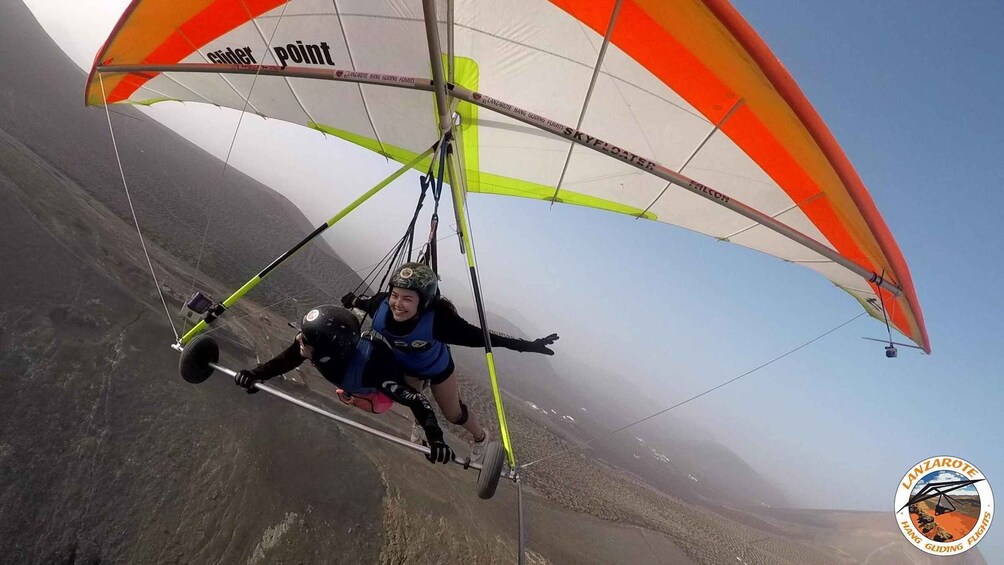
[(540, 345), (246, 379), (439, 452), (349, 300)]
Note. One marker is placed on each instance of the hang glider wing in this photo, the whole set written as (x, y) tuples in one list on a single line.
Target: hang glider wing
[(633, 88)]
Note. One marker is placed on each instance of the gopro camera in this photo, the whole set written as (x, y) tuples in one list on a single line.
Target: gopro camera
[(198, 303)]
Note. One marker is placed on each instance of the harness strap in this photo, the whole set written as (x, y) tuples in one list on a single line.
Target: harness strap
[(429, 254)]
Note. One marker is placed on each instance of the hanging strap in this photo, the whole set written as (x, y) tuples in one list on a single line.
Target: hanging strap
[(218, 309), (401, 252), (429, 254), (403, 249)]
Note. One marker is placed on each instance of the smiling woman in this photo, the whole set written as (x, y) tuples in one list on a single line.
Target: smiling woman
[(421, 325)]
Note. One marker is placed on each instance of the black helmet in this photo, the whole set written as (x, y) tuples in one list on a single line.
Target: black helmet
[(420, 278), (332, 331)]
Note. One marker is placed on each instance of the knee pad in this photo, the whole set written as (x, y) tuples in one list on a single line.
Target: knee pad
[(463, 415)]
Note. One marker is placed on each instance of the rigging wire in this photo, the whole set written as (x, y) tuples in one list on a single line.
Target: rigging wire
[(402, 251), (300, 295), (367, 282), (429, 253), (132, 210), (695, 397), (233, 141)]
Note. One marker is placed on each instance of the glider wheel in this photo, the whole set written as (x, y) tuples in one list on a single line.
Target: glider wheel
[(491, 470), (196, 357)]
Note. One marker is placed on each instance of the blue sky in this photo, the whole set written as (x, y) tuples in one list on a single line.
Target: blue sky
[(911, 91)]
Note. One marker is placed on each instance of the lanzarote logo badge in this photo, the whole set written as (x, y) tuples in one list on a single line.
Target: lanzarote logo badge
[(944, 505)]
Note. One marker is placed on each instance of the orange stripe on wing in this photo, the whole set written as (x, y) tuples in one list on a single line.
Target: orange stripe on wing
[(646, 42), (164, 32), (652, 46), (748, 132), (909, 320), (666, 38)]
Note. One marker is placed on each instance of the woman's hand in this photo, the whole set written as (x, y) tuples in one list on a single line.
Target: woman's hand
[(541, 345), (440, 452), (345, 397), (246, 380)]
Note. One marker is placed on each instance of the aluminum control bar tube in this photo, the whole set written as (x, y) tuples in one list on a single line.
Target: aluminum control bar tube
[(233, 298), (362, 427), (472, 267)]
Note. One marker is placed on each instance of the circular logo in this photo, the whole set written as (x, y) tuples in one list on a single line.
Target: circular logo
[(944, 505), (406, 273), (312, 315)]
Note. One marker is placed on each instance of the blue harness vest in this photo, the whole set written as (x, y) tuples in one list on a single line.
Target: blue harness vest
[(420, 354), (352, 380)]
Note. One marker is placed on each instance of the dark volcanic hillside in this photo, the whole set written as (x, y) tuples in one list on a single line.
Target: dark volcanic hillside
[(175, 185), (105, 454)]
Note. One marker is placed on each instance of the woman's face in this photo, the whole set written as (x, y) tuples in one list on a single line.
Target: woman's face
[(403, 303), (305, 350)]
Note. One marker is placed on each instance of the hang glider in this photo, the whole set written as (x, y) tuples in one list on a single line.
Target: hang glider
[(941, 490), (674, 112)]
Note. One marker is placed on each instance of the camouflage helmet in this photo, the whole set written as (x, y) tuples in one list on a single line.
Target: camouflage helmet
[(332, 332), (420, 278)]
